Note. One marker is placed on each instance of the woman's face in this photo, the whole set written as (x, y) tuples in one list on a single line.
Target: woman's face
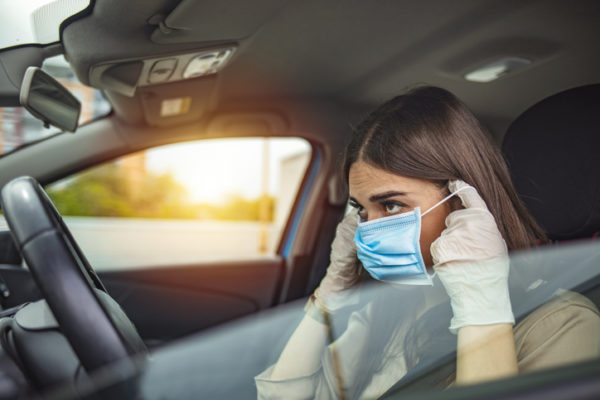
[(378, 193)]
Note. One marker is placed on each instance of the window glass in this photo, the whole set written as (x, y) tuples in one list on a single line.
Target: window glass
[(396, 338), (18, 127), (35, 21), (221, 199)]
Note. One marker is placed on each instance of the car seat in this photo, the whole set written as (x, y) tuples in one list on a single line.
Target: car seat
[(553, 153)]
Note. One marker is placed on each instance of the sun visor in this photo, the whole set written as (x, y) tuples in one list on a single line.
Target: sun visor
[(202, 21), (177, 102)]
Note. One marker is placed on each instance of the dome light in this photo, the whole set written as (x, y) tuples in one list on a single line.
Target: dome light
[(494, 70)]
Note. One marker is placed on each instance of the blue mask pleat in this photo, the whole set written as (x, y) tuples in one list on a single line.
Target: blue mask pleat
[(389, 250)]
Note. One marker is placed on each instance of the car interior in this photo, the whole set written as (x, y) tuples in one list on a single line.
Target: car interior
[(276, 69)]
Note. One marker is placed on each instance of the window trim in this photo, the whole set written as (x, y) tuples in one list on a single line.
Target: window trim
[(290, 231)]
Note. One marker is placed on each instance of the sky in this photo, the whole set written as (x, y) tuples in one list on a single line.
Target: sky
[(212, 170)]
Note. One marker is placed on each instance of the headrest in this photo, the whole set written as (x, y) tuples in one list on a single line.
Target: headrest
[(553, 152)]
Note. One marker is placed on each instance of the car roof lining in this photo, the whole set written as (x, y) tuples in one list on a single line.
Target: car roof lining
[(331, 51)]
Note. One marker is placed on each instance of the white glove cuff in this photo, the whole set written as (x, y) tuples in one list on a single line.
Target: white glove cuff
[(478, 292), (334, 301)]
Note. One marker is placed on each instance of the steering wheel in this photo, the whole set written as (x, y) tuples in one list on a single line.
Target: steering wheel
[(96, 327)]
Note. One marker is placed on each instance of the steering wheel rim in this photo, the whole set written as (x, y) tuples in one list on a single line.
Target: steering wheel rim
[(93, 323)]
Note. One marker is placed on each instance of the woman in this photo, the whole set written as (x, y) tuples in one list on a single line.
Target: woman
[(433, 197)]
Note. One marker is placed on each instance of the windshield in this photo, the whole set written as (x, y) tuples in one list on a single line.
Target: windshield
[(395, 337), (38, 22), (35, 21), (19, 128)]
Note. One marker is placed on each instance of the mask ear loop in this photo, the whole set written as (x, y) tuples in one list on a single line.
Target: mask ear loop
[(444, 199)]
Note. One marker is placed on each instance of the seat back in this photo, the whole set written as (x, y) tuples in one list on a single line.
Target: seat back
[(553, 153)]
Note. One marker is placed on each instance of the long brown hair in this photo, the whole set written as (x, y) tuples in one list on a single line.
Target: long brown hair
[(428, 133)]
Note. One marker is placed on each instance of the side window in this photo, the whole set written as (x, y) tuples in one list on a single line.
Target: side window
[(219, 199)]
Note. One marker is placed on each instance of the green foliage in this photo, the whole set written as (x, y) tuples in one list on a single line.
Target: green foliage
[(106, 192), (237, 208)]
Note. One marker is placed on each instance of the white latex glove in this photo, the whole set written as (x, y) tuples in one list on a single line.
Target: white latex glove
[(471, 259), (338, 287)]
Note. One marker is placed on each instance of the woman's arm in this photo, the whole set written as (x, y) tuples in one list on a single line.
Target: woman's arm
[(297, 366), (302, 353), (307, 370), (472, 262), (485, 352)]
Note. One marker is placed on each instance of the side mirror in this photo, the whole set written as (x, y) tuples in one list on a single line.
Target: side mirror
[(48, 100)]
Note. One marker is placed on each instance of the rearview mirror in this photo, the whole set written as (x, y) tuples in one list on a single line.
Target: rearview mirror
[(48, 100)]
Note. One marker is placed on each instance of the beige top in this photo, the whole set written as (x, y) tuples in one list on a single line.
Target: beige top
[(564, 330)]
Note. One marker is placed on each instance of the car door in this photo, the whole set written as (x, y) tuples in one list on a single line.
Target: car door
[(187, 236)]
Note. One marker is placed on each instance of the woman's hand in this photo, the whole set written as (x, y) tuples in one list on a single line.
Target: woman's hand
[(344, 271), (471, 260)]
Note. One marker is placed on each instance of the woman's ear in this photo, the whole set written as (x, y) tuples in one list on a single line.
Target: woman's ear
[(455, 203)]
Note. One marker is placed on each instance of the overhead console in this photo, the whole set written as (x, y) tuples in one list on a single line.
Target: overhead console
[(201, 38), (125, 76), (160, 66)]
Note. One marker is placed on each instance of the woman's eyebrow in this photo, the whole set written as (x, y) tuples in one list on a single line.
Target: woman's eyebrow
[(386, 195)]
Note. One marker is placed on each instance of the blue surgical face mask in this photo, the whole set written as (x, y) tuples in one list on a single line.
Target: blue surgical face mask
[(389, 250)]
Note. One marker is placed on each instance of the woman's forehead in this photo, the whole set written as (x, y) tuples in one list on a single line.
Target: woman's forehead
[(366, 180)]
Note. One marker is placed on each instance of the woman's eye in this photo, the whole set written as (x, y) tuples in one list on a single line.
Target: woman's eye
[(362, 213), (392, 208)]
